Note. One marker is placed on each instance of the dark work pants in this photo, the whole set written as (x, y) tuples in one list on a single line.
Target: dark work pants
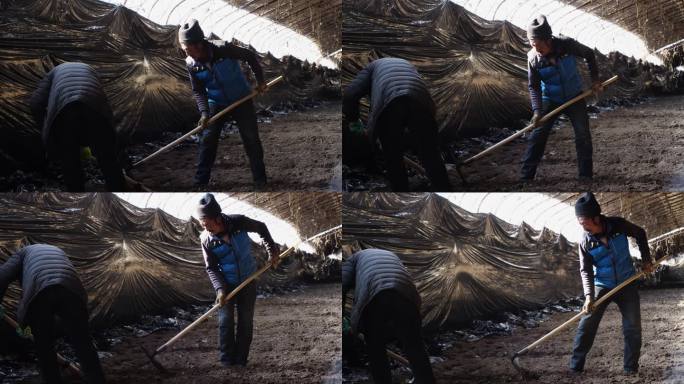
[(234, 346), (246, 120), (628, 302), (77, 125), (402, 122), (58, 302), (577, 113), (389, 315)]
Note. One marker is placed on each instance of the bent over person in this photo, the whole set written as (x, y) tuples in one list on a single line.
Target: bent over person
[(72, 109), (402, 115), (52, 294), (386, 306)]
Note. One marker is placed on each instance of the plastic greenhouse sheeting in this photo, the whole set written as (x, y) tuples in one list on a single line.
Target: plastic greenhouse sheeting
[(476, 69), (672, 246), (465, 266), (139, 62), (132, 261)]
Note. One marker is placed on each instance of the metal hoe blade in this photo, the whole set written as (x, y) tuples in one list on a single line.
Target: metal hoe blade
[(153, 360), (525, 373)]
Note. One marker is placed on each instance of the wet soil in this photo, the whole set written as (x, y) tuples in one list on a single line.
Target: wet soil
[(301, 150), (637, 148), (488, 360), (662, 311), (296, 339), (481, 353)]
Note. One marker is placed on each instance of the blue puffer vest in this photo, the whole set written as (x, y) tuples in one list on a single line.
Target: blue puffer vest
[(561, 82), (225, 82), (612, 263), (235, 257)]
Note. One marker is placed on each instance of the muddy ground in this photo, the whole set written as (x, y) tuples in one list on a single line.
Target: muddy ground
[(296, 340), (662, 311), (302, 151), (637, 147), (478, 359)]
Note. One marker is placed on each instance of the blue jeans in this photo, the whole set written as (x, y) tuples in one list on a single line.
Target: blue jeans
[(628, 302), (577, 113), (234, 346), (246, 120)]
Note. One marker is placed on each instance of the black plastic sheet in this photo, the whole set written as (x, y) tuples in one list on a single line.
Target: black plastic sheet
[(140, 64), (476, 69), (133, 261), (673, 247), (466, 266)]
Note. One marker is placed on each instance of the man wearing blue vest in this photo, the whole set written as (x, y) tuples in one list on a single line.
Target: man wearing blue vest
[(217, 81), (554, 79), (228, 258), (605, 262)]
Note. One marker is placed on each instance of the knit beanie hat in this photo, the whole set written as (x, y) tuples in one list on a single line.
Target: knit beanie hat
[(587, 206), (539, 28), (190, 32), (208, 208)]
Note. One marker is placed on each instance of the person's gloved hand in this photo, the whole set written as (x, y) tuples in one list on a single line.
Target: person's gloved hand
[(588, 304), (86, 154), (597, 87), (536, 116), (273, 253), (203, 121), (262, 88), (346, 326), (220, 298), (24, 333), (648, 268)]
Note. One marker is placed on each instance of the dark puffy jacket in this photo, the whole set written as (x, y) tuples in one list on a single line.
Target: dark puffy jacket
[(65, 84), (230, 263), (558, 81), (37, 267), (608, 266), (372, 271), (384, 80)]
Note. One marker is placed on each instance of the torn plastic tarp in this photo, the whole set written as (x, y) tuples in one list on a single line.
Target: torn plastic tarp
[(140, 64), (674, 270), (476, 69), (466, 266), (132, 261), (672, 246)]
